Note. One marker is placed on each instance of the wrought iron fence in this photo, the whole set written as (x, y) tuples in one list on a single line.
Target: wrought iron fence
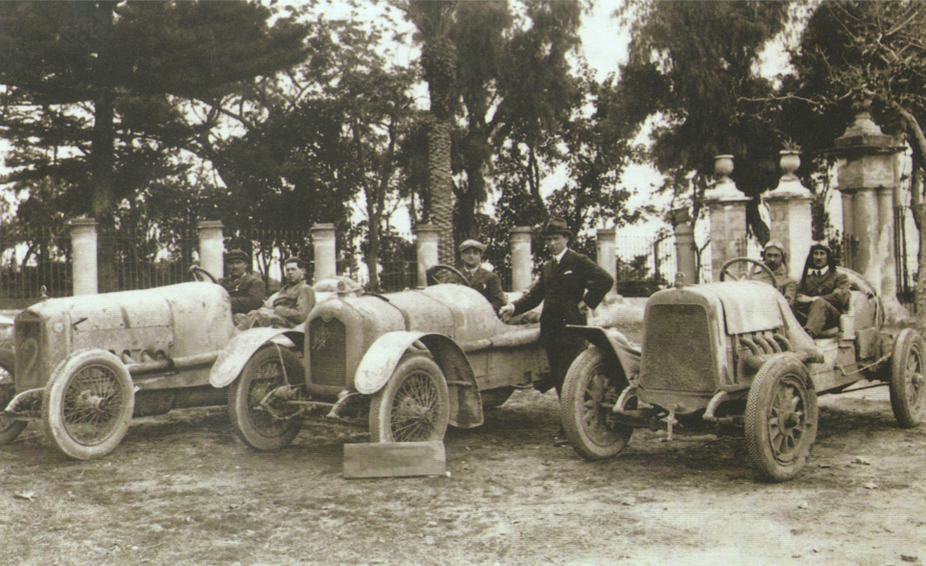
[(34, 264)]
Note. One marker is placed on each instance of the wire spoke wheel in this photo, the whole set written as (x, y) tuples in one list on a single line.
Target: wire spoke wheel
[(88, 404), (414, 404), (259, 400)]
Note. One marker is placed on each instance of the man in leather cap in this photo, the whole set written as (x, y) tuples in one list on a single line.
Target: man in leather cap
[(245, 288), (480, 278), (823, 293), (773, 256), (570, 285)]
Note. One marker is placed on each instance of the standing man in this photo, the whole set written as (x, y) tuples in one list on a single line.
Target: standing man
[(480, 278), (823, 294), (773, 255), (245, 288), (570, 284), (287, 307)]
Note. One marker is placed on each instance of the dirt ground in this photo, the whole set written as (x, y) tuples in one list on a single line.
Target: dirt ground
[(182, 490)]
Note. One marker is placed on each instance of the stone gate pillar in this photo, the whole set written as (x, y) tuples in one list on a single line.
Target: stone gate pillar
[(521, 259), (427, 247), (685, 257), (84, 250), (727, 206), (607, 254), (326, 259), (789, 206), (211, 247), (867, 177)]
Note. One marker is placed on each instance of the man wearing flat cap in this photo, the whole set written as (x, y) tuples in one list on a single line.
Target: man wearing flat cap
[(570, 284), (245, 288), (480, 278)]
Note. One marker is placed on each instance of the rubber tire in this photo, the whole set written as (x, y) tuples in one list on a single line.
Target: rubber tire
[(246, 392), (9, 427), (778, 375), (589, 382), (113, 386), (492, 398), (907, 382), (417, 383)]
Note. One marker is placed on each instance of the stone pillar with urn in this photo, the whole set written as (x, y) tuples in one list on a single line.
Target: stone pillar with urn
[(790, 213), (727, 206), (867, 179)]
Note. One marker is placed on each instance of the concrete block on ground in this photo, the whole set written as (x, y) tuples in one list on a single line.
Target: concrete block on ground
[(394, 459)]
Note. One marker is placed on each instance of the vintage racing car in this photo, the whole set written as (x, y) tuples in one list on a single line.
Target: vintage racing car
[(733, 353), (86, 365), (404, 364)]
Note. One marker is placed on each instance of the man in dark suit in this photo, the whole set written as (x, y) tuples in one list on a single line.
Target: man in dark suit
[(480, 278), (246, 289), (570, 284), (823, 294)]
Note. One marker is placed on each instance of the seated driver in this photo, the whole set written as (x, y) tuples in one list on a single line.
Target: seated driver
[(287, 307), (823, 293), (480, 278), (773, 256)]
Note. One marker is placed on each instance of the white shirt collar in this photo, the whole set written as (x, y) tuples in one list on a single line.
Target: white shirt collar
[(559, 258), (820, 272)]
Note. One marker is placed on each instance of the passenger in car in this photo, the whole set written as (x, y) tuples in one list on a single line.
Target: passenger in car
[(569, 286), (245, 287), (773, 255), (823, 293), (480, 278), (287, 307)]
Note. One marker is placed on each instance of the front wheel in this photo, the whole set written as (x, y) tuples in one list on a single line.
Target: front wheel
[(907, 382), (590, 390), (413, 406), (258, 401), (88, 403), (781, 418)]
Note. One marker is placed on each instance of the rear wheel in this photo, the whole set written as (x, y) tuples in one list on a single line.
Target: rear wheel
[(413, 406), (88, 403), (264, 421), (907, 382), (781, 418), (9, 427), (590, 390)]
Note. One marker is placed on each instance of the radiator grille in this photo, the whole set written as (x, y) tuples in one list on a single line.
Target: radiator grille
[(328, 356), (677, 349), (30, 370)]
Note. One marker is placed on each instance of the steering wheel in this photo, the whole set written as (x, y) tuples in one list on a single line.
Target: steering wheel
[(201, 274), (748, 271), (441, 273)]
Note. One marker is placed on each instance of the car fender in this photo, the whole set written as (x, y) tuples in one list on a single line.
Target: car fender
[(382, 358), (239, 350), (614, 345)]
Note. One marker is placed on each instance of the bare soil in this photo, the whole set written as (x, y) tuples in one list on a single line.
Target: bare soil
[(182, 490)]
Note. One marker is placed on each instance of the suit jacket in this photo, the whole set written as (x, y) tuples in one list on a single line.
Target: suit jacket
[(832, 286), (489, 285), (561, 287), (247, 292)]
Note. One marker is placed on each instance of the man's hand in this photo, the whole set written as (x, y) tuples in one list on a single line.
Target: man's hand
[(801, 298), (583, 308), (505, 312)]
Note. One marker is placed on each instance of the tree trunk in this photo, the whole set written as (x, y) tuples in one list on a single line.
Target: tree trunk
[(441, 189)]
